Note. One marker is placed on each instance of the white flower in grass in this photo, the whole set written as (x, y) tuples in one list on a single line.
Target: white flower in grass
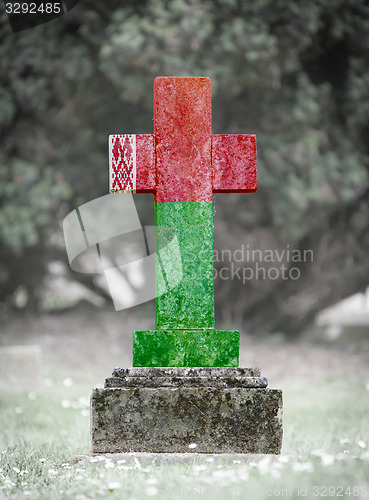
[(275, 473), (122, 461), (225, 475), (65, 403), (42, 460), (85, 413), (344, 440), (18, 410), (152, 491), (210, 459), (114, 485), (124, 467), (219, 474), (8, 482), (52, 472), (341, 456), (277, 465), (318, 453), (152, 480), (84, 402), (192, 446), (327, 460), (15, 469), (199, 467), (67, 382), (243, 474), (264, 464), (361, 444), (206, 479), (94, 459), (32, 396), (26, 492), (109, 465), (303, 467)]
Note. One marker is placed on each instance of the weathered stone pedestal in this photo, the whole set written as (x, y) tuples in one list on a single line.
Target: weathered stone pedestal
[(165, 410)]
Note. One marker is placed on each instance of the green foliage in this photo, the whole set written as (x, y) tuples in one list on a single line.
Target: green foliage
[(31, 198), (294, 73), (266, 61)]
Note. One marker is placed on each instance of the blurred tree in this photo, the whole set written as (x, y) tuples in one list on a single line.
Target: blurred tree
[(296, 74)]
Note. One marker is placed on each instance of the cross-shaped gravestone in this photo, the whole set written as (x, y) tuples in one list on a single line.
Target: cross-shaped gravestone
[(183, 164)]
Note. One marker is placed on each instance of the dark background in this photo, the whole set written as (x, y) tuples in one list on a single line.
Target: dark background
[(294, 73)]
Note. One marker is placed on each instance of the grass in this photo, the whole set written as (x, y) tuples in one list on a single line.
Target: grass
[(325, 451)]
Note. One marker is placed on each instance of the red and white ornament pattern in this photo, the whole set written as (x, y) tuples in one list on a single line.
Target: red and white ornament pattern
[(122, 163)]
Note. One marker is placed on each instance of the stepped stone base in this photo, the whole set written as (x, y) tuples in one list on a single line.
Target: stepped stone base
[(169, 410)]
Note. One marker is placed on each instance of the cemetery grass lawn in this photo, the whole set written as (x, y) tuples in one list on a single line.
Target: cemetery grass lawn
[(325, 451)]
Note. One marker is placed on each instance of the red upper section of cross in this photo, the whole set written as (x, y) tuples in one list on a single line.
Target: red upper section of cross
[(183, 161)]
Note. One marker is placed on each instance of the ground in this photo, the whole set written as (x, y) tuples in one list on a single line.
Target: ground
[(88, 342), (42, 427)]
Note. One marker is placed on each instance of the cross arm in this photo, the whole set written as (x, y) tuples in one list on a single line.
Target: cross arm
[(131, 163), (234, 163)]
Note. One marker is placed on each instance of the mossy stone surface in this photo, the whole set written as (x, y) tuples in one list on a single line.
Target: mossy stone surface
[(168, 420), (249, 382), (187, 377), (171, 371), (186, 348), (190, 305)]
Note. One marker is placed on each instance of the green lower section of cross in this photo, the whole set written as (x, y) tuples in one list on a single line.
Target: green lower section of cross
[(186, 348), (190, 304), (185, 332)]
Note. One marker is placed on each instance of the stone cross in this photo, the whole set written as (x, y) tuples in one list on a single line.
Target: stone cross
[(183, 164)]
